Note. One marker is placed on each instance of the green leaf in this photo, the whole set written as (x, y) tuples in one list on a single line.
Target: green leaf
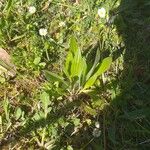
[(97, 58), (90, 110), (90, 82), (36, 116), (76, 67), (52, 77), (69, 147), (84, 70), (76, 121), (68, 63), (37, 60), (18, 113), (6, 107), (73, 45), (42, 64), (104, 66), (45, 99)]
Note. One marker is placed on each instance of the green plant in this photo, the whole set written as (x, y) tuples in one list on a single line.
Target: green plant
[(76, 77), (6, 107), (42, 113)]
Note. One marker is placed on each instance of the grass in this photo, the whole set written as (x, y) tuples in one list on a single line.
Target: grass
[(33, 112)]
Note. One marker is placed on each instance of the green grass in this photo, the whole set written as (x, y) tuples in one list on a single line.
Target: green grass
[(35, 114)]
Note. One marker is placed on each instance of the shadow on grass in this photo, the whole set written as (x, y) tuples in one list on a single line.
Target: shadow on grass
[(65, 136), (128, 124), (32, 125)]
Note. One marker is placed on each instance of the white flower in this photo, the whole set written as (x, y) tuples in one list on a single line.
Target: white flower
[(97, 125), (32, 9), (102, 12), (43, 32), (96, 132), (62, 24)]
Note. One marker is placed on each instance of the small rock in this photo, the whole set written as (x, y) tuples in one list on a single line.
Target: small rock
[(6, 65)]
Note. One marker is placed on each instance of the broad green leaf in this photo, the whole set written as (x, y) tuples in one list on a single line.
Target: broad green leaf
[(104, 66), (74, 52), (66, 73), (84, 70), (97, 58), (73, 45), (68, 64), (52, 77), (84, 66), (76, 67), (90, 82), (45, 99)]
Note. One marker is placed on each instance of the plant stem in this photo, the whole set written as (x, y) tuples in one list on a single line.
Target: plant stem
[(43, 137)]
